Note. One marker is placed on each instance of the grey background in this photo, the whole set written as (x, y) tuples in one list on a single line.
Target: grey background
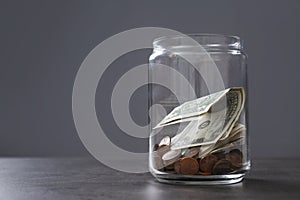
[(44, 42)]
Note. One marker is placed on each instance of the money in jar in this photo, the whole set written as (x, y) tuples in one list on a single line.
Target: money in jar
[(199, 131)]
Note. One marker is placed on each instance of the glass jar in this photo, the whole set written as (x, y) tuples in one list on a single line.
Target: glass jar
[(198, 110)]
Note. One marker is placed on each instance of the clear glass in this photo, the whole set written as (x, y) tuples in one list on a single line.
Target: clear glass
[(205, 138)]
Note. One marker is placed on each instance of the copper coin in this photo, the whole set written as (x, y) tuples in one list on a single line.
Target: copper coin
[(204, 173), (207, 163), (177, 166), (192, 152), (222, 167), (171, 156), (220, 154), (235, 156), (155, 147), (170, 171), (187, 166), (165, 141), (162, 150), (157, 162), (237, 151), (170, 167)]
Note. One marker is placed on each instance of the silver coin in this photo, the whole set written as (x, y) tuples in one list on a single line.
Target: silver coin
[(171, 156), (165, 141), (192, 152)]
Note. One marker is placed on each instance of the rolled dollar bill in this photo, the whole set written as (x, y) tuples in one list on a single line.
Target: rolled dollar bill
[(208, 127)]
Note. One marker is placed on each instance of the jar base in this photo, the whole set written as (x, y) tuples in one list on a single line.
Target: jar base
[(200, 180), (180, 179)]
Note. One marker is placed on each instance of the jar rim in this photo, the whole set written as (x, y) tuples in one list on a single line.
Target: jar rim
[(207, 40)]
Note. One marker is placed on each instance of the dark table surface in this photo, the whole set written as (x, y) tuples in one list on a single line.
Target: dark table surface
[(86, 178)]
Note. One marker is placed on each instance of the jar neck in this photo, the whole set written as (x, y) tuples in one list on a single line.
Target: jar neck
[(190, 43)]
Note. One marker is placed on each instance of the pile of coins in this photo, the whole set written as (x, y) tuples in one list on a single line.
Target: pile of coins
[(187, 161)]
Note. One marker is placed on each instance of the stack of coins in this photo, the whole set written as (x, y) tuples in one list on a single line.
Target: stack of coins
[(187, 162)]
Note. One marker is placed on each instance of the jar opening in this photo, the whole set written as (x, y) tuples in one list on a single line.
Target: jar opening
[(207, 41)]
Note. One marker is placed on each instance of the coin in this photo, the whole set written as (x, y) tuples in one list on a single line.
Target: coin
[(171, 156), (204, 173), (162, 150), (222, 167), (220, 154), (192, 152), (237, 151), (155, 147), (177, 166), (170, 167), (157, 162), (165, 141), (235, 156), (207, 163), (170, 171), (186, 166)]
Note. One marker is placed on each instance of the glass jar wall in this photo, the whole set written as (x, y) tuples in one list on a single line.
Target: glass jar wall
[(198, 110)]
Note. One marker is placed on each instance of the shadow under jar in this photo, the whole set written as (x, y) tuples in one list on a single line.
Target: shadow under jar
[(198, 110)]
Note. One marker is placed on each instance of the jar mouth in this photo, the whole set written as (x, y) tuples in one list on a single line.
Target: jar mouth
[(207, 41)]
